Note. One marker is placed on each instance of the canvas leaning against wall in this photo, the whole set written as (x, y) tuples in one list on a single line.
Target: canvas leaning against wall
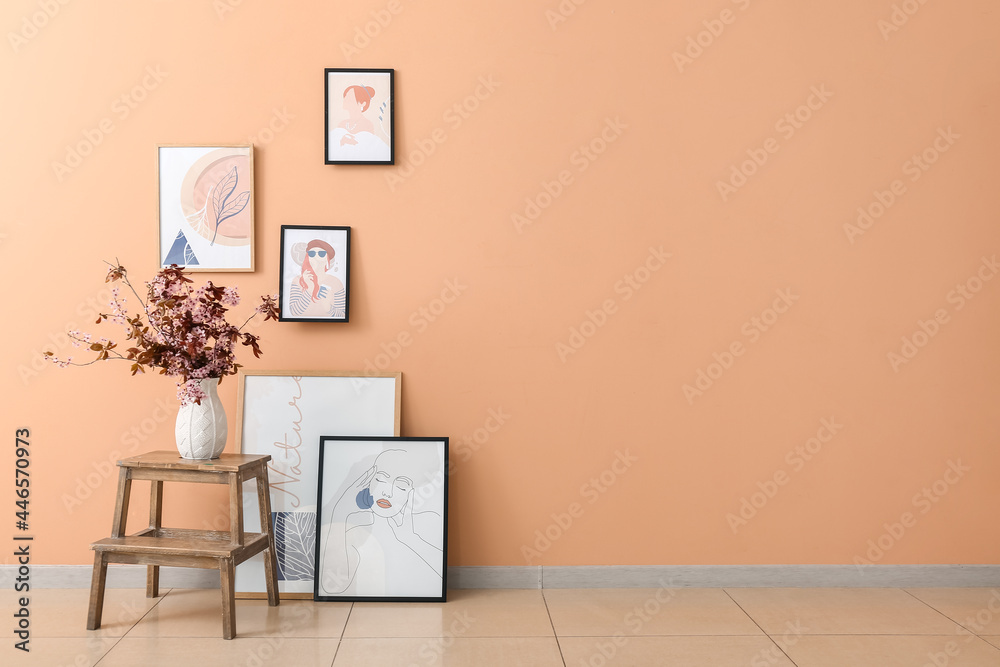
[(382, 519), (284, 414)]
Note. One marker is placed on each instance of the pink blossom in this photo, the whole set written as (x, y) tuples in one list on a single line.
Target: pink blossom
[(190, 392), (181, 329)]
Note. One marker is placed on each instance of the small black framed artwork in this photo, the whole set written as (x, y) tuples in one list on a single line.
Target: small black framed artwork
[(359, 118), (315, 274), (382, 519)]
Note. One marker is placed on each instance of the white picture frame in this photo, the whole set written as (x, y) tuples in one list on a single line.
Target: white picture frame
[(284, 414), (205, 206)]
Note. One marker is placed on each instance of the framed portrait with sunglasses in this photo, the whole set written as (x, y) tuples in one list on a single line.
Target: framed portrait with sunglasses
[(315, 274)]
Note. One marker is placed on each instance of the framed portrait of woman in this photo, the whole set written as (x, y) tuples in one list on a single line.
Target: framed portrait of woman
[(315, 274), (359, 116), (382, 519)]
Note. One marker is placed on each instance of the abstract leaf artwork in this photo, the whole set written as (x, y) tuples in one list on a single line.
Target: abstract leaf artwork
[(295, 544), (223, 207), (206, 207)]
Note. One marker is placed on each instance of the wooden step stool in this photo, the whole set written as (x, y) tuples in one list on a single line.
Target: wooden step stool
[(182, 547)]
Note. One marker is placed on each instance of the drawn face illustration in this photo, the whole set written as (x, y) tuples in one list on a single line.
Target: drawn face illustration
[(390, 486), (351, 103), (317, 258)]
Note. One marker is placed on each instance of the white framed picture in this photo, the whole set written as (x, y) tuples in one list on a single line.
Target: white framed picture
[(205, 207), (284, 414)]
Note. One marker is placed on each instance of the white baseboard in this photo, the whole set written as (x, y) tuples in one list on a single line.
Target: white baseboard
[(119, 576), (583, 576), (772, 576)]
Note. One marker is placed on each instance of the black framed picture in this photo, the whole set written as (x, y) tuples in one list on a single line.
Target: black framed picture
[(382, 519), (315, 274), (359, 117)]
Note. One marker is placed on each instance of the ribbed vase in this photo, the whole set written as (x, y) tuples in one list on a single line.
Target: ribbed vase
[(201, 429)]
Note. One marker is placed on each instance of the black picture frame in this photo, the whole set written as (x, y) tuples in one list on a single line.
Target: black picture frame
[(367, 97), (382, 519), (301, 299)]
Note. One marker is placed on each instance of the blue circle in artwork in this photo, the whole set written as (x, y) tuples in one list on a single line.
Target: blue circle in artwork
[(365, 500)]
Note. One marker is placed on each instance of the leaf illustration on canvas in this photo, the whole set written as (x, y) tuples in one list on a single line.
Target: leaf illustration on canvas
[(224, 207), (295, 544)]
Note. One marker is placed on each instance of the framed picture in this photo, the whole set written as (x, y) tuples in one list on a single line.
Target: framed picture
[(205, 207), (284, 414), (359, 116), (383, 519), (315, 274)]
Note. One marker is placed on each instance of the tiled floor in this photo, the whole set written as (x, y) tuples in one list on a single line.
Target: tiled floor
[(711, 627)]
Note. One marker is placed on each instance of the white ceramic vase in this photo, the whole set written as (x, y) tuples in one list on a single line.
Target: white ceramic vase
[(201, 429)]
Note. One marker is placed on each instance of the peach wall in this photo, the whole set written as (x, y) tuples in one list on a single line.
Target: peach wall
[(664, 133)]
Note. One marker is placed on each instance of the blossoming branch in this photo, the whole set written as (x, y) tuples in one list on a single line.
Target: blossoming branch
[(182, 330)]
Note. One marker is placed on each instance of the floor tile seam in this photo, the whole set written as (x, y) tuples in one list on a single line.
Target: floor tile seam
[(219, 637), (524, 636), (157, 600), (343, 631), (521, 636), (938, 611), (884, 634), (759, 627), (118, 641), (660, 635), (552, 624), (687, 635), (464, 636), (949, 619)]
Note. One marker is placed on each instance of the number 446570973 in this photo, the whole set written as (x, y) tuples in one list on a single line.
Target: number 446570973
[(21, 477)]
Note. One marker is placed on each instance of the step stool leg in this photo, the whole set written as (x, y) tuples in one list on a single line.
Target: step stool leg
[(97, 582), (227, 576), (155, 521), (270, 562), (121, 502), (152, 581)]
